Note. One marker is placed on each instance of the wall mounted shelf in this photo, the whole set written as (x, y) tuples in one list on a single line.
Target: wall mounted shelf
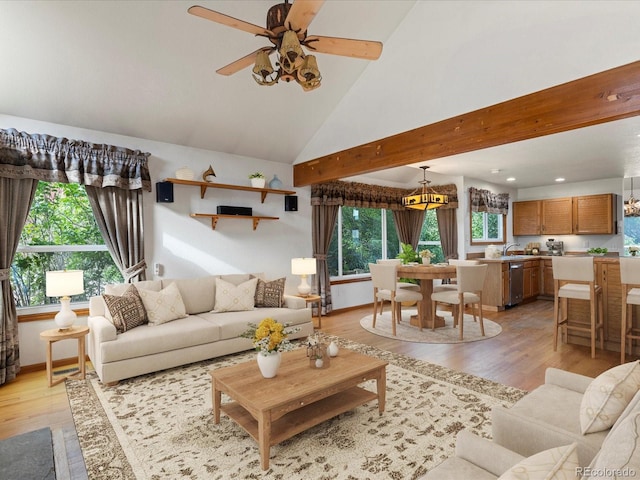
[(205, 185), (215, 217)]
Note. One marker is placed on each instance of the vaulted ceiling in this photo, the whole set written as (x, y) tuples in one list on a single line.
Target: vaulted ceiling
[(147, 69)]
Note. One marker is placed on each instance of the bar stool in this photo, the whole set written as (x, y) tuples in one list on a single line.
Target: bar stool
[(574, 277), (630, 279)]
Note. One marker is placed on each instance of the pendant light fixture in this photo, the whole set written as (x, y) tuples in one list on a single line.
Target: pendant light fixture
[(427, 198), (632, 206)]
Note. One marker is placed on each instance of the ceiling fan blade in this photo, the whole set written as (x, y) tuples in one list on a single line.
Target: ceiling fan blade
[(347, 47), (302, 13), (223, 19), (242, 63)]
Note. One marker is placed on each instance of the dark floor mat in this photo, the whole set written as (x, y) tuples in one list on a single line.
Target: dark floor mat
[(28, 456)]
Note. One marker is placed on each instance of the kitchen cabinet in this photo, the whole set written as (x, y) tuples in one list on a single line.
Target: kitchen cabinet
[(527, 217), (594, 214), (547, 278), (584, 215), (531, 281)]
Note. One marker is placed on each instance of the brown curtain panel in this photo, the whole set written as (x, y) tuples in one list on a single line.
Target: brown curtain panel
[(409, 225), (448, 229), (323, 222), (16, 196), (120, 220)]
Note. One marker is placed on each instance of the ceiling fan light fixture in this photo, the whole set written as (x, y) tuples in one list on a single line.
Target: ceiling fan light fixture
[(290, 51), (309, 72), (427, 199)]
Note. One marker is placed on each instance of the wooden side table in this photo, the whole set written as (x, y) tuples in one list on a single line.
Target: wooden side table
[(311, 299), (55, 335)]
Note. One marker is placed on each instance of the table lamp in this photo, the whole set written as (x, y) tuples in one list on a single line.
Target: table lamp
[(63, 284), (303, 267)]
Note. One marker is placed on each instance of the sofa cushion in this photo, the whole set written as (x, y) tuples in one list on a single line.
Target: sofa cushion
[(149, 340), (620, 450), (126, 311), (232, 298), (559, 463), (269, 294), (163, 306), (198, 294), (607, 396), (120, 288)]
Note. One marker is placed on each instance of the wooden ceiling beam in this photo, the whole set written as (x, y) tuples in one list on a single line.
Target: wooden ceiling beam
[(603, 97)]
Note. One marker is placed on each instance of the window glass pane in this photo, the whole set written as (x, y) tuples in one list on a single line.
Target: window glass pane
[(631, 231), (487, 227), (332, 255), (477, 225), (393, 244), (430, 236), (361, 239), (493, 226), (60, 220)]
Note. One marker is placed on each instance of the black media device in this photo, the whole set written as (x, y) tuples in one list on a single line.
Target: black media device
[(164, 192), (290, 203), (228, 210)]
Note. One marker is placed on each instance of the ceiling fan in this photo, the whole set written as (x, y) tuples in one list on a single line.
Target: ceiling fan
[(287, 30)]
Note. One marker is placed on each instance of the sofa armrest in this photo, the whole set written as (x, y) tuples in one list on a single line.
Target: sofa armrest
[(293, 302), (485, 454), (570, 381), (101, 329), (96, 306)]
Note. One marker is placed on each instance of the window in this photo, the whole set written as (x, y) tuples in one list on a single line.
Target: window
[(631, 232), (60, 233), (364, 235), (487, 228)]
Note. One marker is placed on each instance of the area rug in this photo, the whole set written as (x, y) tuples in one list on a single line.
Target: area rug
[(446, 334), (160, 426)]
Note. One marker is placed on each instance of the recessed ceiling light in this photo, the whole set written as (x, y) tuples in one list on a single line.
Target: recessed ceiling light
[(511, 179), (559, 179)]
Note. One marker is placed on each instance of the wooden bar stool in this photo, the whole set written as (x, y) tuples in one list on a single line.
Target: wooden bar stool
[(630, 280), (574, 277)]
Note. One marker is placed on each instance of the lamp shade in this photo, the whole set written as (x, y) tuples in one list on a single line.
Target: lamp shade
[(303, 266), (64, 283)]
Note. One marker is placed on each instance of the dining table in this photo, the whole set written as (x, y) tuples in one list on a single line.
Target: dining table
[(426, 274)]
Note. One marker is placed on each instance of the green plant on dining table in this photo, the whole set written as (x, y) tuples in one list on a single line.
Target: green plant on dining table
[(408, 254)]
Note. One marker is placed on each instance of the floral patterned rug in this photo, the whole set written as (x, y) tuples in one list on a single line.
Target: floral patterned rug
[(160, 426)]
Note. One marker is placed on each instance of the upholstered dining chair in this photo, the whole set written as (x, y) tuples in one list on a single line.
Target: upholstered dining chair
[(385, 287), (630, 280), (451, 286), (574, 277), (400, 284), (470, 282)]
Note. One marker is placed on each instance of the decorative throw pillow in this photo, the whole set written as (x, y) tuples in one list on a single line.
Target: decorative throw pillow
[(620, 449), (269, 294), (126, 311), (163, 306), (558, 463), (607, 396), (232, 298)]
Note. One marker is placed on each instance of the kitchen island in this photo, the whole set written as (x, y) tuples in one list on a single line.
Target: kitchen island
[(538, 285)]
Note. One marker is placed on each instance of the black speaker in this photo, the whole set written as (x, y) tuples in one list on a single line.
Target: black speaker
[(164, 192), (290, 203), (229, 210)]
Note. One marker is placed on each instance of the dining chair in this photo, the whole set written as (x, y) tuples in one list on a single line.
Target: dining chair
[(398, 262), (451, 286), (574, 277), (630, 280), (385, 288), (470, 282)]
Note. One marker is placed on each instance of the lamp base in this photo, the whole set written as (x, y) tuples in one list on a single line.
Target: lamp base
[(65, 317), (304, 288)]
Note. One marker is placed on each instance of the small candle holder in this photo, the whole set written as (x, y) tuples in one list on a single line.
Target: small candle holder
[(317, 354)]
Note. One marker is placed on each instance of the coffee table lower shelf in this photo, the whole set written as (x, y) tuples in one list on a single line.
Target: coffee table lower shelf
[(303, 418)]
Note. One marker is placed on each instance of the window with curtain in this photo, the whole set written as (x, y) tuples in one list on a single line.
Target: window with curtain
[(60, 233), (364, 235), (488, 217)]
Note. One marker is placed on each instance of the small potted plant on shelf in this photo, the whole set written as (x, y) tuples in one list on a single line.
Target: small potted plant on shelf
[(426, 255), (257, 179), (633, 250)]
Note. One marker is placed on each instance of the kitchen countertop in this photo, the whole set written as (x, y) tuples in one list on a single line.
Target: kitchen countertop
[(612, 258)]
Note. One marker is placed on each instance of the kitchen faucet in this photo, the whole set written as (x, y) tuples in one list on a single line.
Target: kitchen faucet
[(507, 247)]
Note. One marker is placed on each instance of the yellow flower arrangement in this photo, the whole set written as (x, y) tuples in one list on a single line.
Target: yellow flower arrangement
[(269, 336)]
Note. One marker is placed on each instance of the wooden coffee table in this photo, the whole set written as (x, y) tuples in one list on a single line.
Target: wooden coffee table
[(298, 398)]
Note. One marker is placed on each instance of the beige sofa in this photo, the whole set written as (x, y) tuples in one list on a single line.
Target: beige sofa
[(202, 334)]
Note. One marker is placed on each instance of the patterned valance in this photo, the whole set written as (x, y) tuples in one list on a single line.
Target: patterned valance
[(362, 195), (52, 159), (486, 201)]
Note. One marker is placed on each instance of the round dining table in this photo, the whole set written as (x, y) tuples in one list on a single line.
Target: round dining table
[(426, 274)]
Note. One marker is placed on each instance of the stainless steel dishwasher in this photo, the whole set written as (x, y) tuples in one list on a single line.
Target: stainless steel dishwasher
[(516, 283)]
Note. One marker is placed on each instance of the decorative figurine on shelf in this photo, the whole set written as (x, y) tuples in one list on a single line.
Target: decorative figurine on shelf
[(208, 174)]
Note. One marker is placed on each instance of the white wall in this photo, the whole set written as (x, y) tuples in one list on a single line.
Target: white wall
[(579, 243), (187, 247)]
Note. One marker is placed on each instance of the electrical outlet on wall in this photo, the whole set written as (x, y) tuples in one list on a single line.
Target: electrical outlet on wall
[(157, 269)]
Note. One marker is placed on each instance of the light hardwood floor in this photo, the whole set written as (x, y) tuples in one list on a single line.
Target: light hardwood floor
[(517, 357)]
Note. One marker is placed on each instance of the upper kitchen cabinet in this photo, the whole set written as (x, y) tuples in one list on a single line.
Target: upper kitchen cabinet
[(526, 217), (586, 215), (542, 217), (556, 216), (594, 214)]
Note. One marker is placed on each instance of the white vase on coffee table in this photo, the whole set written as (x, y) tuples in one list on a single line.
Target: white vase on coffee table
[(269, 363)]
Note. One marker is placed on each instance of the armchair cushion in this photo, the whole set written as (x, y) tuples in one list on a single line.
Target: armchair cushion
[(607, 396)]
